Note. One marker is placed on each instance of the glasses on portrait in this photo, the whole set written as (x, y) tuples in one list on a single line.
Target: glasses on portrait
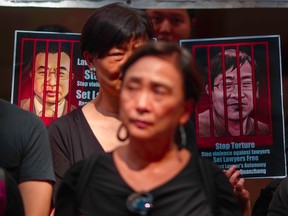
[(230, 86), (140, 203), (63, 74)]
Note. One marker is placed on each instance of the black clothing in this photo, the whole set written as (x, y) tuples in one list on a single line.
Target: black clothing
[(279, 203), (71, 140), (106, 192), (24, 145)]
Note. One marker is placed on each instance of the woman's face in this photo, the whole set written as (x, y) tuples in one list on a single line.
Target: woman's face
[(108, 67), (152, 100)]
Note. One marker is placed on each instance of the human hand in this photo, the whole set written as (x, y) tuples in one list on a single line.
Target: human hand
[(239, 189)]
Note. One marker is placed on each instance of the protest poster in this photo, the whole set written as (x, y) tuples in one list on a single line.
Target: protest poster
[(48, 69), (239, 119)]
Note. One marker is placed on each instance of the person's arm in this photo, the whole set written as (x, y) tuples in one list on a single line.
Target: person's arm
[(36, 170), (36, 197), (239, 190)]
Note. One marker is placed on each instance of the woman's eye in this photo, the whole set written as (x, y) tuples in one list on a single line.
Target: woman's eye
[(131, 87), (160, 91), (116, 53)]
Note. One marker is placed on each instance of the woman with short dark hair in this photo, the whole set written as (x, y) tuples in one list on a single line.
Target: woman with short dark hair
[(151, 175), (109, 37)]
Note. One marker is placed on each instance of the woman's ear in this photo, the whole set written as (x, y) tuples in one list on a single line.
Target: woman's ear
[(188, 109), (89, 58)]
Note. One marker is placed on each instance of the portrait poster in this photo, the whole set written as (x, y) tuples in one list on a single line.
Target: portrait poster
[(48, 68), (239, 119)]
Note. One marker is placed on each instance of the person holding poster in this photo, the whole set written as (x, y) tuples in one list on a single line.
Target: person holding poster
[(51, 76), (109, 37), (234, 89)]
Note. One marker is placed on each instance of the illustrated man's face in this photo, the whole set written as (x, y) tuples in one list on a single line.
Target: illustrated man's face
[(51, 71), (232, 93)]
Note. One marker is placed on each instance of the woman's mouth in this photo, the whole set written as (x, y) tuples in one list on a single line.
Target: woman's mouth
[(141, 124)]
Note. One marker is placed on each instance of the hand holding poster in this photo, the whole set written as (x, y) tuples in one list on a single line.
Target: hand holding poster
[(50, 78), (239, 120)]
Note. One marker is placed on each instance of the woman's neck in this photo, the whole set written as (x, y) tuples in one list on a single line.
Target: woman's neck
[(142, 153), (133, 167), (106, 105)]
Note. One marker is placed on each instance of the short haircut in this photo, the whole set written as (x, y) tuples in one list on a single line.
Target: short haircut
[(182, 59), (114, 25), (53, 48), (230, 58)]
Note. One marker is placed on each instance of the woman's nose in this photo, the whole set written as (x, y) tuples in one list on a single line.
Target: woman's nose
[(143, 102)]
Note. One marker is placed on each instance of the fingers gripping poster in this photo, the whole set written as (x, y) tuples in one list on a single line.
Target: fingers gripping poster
[(50, 77), (239, 119)]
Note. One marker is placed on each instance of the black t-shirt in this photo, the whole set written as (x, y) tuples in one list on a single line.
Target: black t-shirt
[(106, 192), (71, 140), (24, 145)]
